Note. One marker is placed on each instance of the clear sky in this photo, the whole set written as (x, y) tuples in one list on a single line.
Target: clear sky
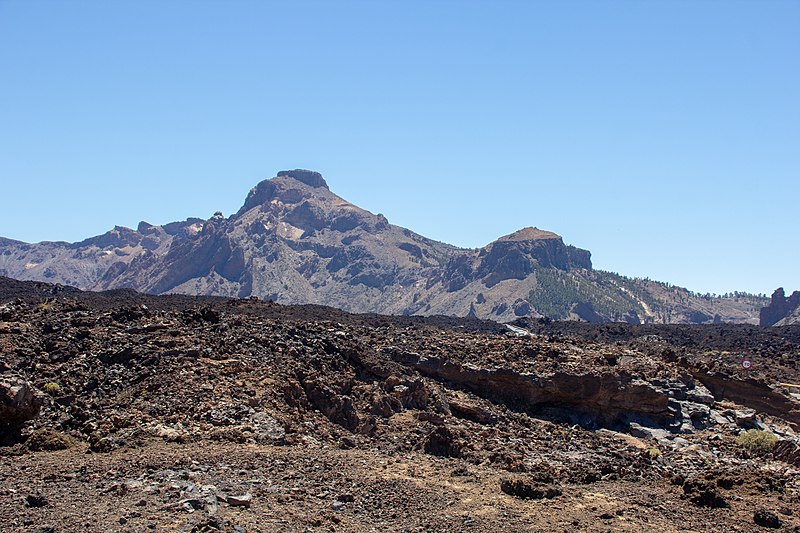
[(664, 136)]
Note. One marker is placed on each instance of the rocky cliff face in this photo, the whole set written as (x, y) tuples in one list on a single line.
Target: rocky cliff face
[(782, 310), (295, 241)]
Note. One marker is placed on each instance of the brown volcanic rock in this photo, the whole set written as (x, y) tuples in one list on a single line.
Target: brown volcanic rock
[(181, 413)]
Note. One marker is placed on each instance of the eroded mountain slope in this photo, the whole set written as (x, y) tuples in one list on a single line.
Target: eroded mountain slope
[(294, 241)]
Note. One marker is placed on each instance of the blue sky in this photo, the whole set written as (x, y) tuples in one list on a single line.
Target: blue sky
[(662, 136)]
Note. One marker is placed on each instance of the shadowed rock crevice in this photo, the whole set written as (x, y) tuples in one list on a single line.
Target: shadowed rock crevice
[(750, 393), (610, 398)]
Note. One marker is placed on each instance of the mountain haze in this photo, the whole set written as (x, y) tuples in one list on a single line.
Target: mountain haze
[(295, 241)]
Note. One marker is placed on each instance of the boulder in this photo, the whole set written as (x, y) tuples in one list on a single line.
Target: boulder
[(528, 489), (19, 402)]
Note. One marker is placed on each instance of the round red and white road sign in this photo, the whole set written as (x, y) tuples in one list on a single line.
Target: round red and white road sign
[(746, 363)]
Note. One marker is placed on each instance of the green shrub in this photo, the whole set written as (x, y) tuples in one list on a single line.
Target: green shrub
[(757, 440), (52, 388)]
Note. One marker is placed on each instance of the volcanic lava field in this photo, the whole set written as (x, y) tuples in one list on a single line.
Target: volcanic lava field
[(178, 413)]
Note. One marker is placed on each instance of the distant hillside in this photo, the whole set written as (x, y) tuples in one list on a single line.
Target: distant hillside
[(598, 296), (294, 241)]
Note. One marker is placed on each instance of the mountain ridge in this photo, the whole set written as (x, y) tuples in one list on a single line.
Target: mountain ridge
[(295, 241)]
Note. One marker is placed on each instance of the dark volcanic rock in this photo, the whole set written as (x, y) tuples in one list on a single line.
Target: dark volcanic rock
[(586, 312), (607, 396), (520, 487), (329, 420), (309, 177), (19, 402), (703, 493), (442, 442), (779, 308), (765, 518)]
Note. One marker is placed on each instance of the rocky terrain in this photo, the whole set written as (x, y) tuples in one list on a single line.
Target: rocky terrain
[(782, 310), (296, 242), (122, 411)]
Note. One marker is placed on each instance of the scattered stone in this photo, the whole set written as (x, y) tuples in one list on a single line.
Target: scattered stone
[(169, 434), (456, 398), (36, 500), (347, 443), (267, 429), (471, 411), (766, 518), (527, 489), (243, 500), (745, 418), (442, 442), (644, 432), (101, 444), (703, 493), (788, 451), (209, 524)]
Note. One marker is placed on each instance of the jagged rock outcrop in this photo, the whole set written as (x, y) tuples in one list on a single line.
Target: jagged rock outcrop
[(19, 402), (585, 311), (309, 177), (516, 256), (607, 396), (782, 310), (750, 393), (295, 241)]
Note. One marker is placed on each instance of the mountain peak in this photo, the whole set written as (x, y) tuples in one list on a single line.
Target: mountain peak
[(278, 186), (530, 234), (295, 241), (309, 177)]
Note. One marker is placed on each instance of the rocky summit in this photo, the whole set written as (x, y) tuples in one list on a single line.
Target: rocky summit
[(122, 411), (782, 310), (294, 241)]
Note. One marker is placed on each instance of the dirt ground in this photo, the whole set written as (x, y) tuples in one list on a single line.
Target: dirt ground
[(297, 488)]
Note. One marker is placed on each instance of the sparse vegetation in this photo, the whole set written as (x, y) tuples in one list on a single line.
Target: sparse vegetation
[(757, 440), (611, 295), (52, 388)]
